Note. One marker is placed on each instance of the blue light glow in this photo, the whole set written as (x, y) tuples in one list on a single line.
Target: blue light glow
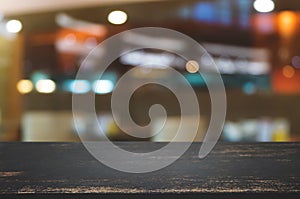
[(103, 86), (77, 86), (205, 11), (225, 12), (249, 88)]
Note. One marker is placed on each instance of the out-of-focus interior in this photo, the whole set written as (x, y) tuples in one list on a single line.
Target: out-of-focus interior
[(254, 43)]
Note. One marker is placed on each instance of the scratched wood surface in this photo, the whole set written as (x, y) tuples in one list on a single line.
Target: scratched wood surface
[(62, 170)]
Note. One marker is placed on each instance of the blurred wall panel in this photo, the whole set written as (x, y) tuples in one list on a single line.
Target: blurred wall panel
[(48, 126), (11, 56)]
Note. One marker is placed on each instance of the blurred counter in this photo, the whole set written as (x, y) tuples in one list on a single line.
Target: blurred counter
[(63, 170)]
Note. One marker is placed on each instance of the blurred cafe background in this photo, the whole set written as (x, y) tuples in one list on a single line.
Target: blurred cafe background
[(255, 45)]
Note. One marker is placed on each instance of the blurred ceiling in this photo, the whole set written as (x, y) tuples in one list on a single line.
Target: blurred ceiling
[(17, 7)]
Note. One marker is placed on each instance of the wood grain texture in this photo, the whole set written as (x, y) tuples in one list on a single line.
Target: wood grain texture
[(51, 169)]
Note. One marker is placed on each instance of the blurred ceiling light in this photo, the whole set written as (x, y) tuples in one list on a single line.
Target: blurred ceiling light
[(77, 86), (288, 71), (103, 86), (162, 42), (13, 26), (24, 86), (258, 68), (264, 5), (66, 21), (226, 65), (234, 59), (148, 60), (45, 86), (192, 66), (117, 17)]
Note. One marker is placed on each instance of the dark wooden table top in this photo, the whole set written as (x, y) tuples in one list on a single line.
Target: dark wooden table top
[(62, 170)]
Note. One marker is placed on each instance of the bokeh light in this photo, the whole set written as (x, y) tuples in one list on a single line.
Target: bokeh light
[(264, 5), (192, 66), (288, 71), (287, 23), (249, 88), (24, 86), (117, 17), (45, 86), (77, 86), (296, 61), (14, 26), (103, 86)]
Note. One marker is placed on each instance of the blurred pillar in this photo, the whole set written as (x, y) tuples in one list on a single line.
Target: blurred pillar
[(279, 33), (11, 54), (287, 25)]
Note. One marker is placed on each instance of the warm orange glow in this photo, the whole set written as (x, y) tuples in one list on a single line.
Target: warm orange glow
[(24, 86), (80, 36), (281, 84), (71, 43), (288, 71), (192, 66), (287, 21)]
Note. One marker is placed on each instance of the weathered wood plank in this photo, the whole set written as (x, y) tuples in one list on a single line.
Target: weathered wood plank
[(67, 168)]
